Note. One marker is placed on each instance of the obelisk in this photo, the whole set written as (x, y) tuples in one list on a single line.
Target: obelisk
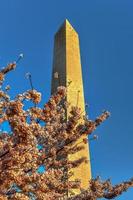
[(66, 69)]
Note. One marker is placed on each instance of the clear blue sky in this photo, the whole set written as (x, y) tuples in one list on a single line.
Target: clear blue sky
[(105, 28)]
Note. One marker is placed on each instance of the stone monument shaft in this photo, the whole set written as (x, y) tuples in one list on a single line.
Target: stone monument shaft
[(66, 69)]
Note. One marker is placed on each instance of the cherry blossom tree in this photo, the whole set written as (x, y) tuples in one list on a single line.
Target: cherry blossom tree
[(41, 136)]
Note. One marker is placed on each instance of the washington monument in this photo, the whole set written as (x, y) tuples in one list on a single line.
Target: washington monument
[(67, 71)]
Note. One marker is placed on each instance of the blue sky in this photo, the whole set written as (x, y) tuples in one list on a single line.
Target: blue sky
[(105, 28)]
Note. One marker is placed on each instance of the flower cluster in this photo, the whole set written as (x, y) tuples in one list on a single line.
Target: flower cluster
[(45, 137), (99, 189)]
